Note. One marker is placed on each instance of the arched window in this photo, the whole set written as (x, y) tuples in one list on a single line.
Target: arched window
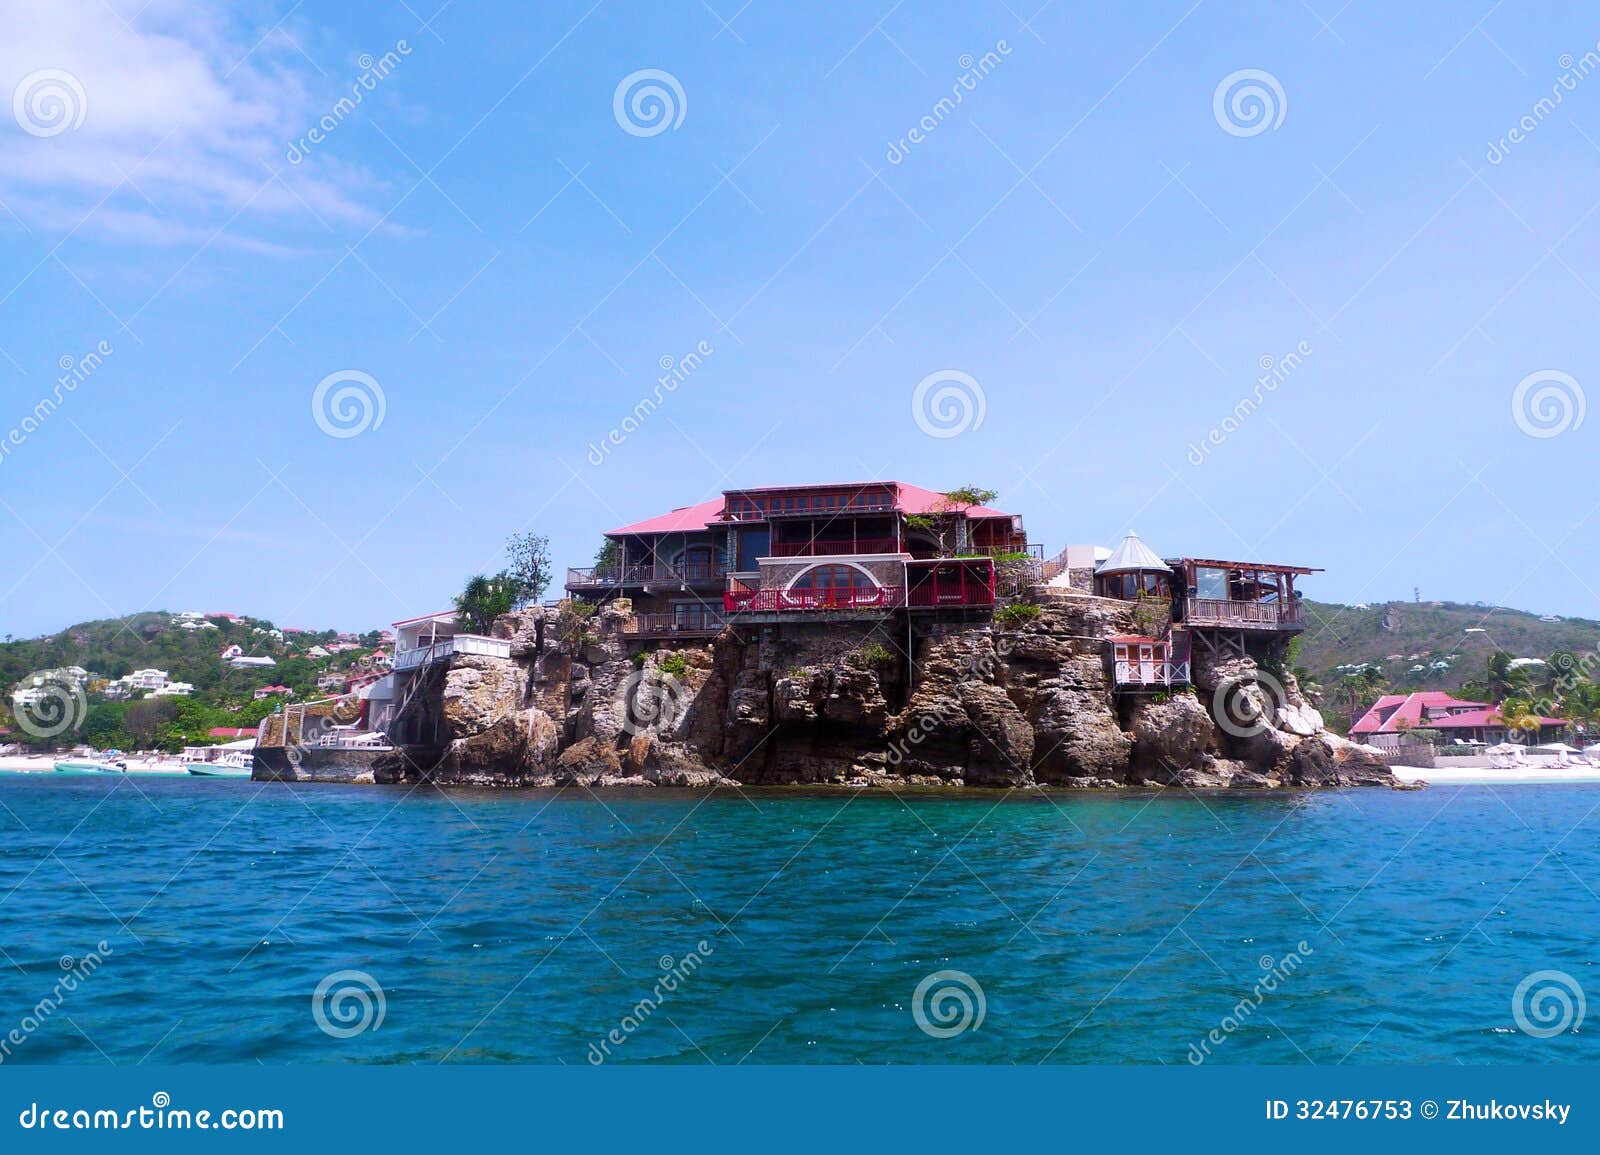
[(833, 577)]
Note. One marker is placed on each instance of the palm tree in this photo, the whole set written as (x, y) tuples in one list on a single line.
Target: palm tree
[(1501, 680)]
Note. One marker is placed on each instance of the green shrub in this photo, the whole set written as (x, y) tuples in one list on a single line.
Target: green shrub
[(675, 664), (1016, 615), (875, 655)]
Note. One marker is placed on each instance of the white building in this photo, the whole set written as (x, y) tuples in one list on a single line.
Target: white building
[(147, 679), (173, 690), (245, 662)]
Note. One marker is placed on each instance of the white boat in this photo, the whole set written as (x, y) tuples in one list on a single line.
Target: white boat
[(90, 766), (230, 760)]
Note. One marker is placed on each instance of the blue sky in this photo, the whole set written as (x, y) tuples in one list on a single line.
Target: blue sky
[(1104, 248)]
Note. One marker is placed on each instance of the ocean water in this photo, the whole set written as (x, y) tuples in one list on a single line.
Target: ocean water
[(791, 927)]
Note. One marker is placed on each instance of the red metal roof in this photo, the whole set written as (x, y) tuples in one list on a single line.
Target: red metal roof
[(910, 499), (1389, 712), (231, 732), (685, 519)]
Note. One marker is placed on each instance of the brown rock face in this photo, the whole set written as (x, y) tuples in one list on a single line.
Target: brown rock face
[(842, 702), (1170, 737)]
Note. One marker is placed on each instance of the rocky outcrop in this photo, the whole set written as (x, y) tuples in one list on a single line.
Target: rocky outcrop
[(971, 704)]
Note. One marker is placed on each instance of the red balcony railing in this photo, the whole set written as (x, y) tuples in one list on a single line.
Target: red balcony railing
[(821, 546), (950, 593), (778, 600)]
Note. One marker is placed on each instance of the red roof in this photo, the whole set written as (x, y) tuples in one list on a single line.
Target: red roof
[(911, 499), (274, 690), (1389, 712), (231, 732)]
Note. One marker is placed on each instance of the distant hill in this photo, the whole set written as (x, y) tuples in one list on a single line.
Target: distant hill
[(1449, 640), (224, 696)]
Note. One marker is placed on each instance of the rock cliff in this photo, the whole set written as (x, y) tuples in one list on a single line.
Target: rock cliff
[(955, 704)]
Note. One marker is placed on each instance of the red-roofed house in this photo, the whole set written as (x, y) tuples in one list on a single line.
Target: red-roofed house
[(1393, 714), (268, 691), (771, 553), (230, 733)]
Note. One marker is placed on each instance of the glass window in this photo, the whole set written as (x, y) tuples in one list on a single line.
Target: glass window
[(1211, 582), (834, 577)]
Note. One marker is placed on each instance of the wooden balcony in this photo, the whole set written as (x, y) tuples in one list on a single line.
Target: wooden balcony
[(1245, 615), (639, 576), (688, 622)]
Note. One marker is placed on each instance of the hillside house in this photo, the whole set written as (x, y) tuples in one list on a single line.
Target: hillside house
[(1392, 717), (787, 552)]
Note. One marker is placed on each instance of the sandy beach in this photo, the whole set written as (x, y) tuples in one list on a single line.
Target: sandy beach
[(46, 764), (1448, 775)]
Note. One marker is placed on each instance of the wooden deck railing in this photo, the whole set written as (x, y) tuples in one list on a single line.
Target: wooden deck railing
[(443, 648), (1249, 615), (706, 621)]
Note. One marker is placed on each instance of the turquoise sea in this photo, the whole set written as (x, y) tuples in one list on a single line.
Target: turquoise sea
[(530, 927)]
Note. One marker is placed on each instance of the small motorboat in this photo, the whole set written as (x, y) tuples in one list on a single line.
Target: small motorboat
[(234, 760), (90, 766), (217, 770)]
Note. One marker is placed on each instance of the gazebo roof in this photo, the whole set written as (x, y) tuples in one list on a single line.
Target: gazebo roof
[(1131, 556)]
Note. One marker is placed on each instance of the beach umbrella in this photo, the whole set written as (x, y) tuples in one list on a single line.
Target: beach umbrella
[(1558, 748)]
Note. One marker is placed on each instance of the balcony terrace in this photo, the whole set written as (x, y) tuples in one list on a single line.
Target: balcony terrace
[(1245, 615), (708, 574), (441, 648), (685, 622)]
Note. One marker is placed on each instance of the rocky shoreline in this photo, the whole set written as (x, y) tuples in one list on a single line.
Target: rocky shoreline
[(837, 703)]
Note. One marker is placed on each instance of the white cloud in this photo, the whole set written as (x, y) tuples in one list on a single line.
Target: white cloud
[(185, 118)]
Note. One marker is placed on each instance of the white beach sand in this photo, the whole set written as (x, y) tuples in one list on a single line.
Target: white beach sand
[(1533, 775)]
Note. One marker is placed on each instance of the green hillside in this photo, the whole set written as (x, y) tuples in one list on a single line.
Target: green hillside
[(224, 696)]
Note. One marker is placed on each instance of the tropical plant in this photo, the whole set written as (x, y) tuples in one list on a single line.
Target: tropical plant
[(943, 520), (483, 600), (1500, 680)]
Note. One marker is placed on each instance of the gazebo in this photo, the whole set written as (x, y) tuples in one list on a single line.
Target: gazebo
[(1132, 571)]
